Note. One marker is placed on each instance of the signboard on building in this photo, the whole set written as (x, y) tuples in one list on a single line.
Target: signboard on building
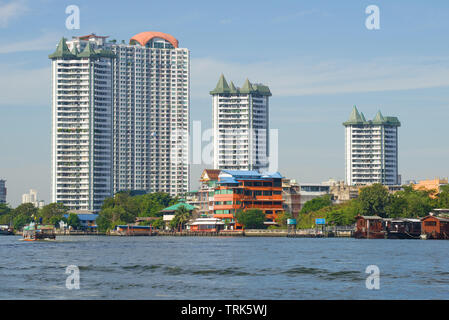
[(320, 221)]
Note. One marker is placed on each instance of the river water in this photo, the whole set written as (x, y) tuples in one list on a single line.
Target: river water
[(223, 268)]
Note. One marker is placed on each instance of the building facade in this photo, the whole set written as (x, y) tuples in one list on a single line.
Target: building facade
[(120, 118), (291, 196), (208, 180), (371, 149), (81, 124), (242, 190), (151, 114), (241, 126), (2, 191), (432, 185), (310, 191)]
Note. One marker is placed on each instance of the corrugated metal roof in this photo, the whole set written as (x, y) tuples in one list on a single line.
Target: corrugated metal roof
[(85, 217)]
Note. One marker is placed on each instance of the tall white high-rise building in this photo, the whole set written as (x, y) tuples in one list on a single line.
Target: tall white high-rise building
[(81, 123), (2, 191), (140, 95), (151, 114), (241, 126), (371, 149)]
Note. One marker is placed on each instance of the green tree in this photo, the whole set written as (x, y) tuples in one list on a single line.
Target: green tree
[(182, 216), (74, 221), (316, 204), (5, 214), (282, 218), (23, 214), (53, 212), (20, 221), (251, 218), (443, 197), (158, 223), (374, 200)]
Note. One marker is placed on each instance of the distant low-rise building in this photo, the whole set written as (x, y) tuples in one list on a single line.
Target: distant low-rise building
[(87, 220), (209, 179), (433, 185), (291, 196), (309, 191), (341, 192)]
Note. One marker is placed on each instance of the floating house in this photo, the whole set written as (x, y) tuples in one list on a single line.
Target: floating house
[(369, 227), (206, 225), (130, 230), (403, 228), (434, 227)]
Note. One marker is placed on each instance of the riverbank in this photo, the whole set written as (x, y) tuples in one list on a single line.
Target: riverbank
[(299, 233)]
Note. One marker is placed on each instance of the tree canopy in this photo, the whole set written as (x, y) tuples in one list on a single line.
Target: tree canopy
[(124, 208), (376, 200), (316, 204), (251, 218)]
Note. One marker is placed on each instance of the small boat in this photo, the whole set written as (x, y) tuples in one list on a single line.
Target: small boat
[(35, 232), (6, 230)]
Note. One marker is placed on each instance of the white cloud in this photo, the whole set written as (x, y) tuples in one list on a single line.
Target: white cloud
[(25, 87), (10, 11), (300, 77), (46, 42)]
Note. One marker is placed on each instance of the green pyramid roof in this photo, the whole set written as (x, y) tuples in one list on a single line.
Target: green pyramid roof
[(62, 51), (232, 88), (88, 52), (354, 118), (362, 116), (379, 118), (247, 87), (358, 118), (222, 86)]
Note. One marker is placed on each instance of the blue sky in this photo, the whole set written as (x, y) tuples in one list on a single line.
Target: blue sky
[(317, 57)]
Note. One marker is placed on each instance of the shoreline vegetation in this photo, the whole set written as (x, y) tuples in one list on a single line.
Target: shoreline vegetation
[(125, 209)]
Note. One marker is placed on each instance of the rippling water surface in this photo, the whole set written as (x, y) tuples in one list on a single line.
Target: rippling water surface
[(222, 268)]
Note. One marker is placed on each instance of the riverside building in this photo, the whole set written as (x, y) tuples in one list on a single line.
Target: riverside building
[(371, 150), (81, 82), (120, 118), (241, 126), (241, 190), (151, 114)]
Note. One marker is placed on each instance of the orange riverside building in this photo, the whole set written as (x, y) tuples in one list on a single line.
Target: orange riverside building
[(247, 190)]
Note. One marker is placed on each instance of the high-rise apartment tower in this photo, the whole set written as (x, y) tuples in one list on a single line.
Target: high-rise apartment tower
[(371, 149), (241, 126)]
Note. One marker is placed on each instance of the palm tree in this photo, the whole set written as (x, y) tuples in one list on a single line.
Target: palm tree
[(182, 216)]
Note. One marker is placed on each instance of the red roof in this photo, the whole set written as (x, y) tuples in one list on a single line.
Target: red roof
[(212, 174), (146, 36)]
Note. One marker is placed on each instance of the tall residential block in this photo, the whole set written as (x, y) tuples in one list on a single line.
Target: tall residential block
[(371, 149), (120, 118), (2, 191), (241, 126), (151, 114), (81, 84)]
